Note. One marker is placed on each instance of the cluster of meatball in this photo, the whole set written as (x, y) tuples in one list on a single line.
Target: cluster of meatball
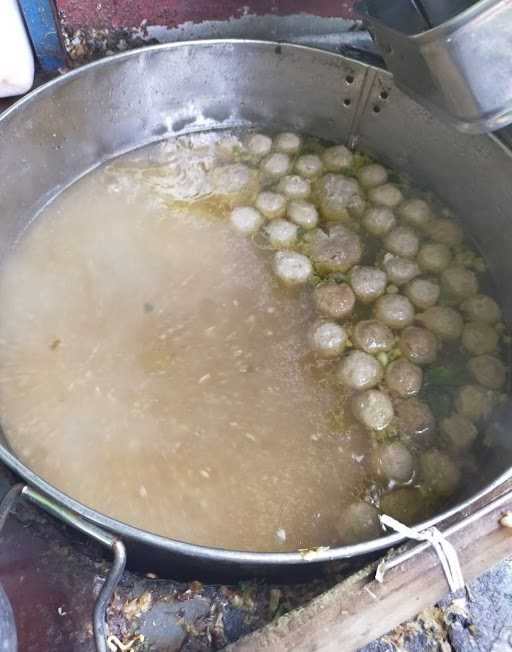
[(362, 247)]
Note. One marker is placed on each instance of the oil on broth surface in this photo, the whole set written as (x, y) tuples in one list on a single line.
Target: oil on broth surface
[(153, 367)]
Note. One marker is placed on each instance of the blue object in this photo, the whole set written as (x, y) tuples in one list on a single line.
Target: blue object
[(42, 27)]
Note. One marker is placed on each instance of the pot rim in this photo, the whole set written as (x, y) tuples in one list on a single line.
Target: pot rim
[(190, 550)]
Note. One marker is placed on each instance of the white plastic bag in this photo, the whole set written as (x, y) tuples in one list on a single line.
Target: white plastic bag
[(16, 58)]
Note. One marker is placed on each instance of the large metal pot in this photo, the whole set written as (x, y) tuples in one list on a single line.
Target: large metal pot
[(69, 126)]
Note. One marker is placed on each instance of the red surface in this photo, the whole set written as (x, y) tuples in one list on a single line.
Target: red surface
[(130, 13)]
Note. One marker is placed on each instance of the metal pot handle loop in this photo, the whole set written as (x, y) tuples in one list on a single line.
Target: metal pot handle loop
[(105, 538)]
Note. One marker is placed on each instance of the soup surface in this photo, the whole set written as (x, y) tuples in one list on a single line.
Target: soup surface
[(248, 342)]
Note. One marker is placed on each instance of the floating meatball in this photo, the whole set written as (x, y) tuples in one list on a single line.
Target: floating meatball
[(372, 175), (373, 336), (334, 300), (393, 461), (379, 220), (459, 432), (400, 270), (415, 421), (373, 409), (358, 370), (433, 257), (474, 402), (488, 371), (276, 165), (335, 193), (395, 310), (338, 252), (246, 219), (402, 241), (281, 233), (445, 231), (443, 321), (386, 195), (292, 268), (271, 204), (294, 186), (235, 182), (309, 165), (328, 339), (418, 345), (423, 292), (416, 212), (479, 338), (481, 308), (359, 522), (405, 504), (288, 142), (258, 145), (403, 377), (356, 206), (368, 283), (337, 158), (302, 213), (439, 472), (459, 282)]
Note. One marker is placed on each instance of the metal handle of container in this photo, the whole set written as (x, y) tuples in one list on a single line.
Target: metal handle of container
[(70, 518)]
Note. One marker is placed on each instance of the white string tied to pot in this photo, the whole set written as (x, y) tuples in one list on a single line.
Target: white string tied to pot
[(444, 549)]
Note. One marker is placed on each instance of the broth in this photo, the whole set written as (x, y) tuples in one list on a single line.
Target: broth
[(153, 367)]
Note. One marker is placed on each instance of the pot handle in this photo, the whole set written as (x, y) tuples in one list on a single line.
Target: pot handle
[(105, 538)]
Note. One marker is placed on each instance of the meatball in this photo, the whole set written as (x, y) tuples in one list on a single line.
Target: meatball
[(395, 310), (386, 195), (246, 219), (358, 370), (294, 187), (416, 212), (479, 338), (372, 336), (400, 270), (359, 522), (459, 432), (488, 371), (418, 345), (337, 158), (438, 471), (393, 461), (445, 231), (302, 213), (292, 268), (443, 321), (258, 145), (372, 175), (433, 257), (379, 220), (481, 308), (271, 204), (373, 409), (459, 283), (338, 252), (236, 183), (423, 292), (281, 233), (309, 165), (415, 420), (334, 193), (288, 142), (405, 504), (474, 402), (334, 300), (368, 283), (402, 241), (403, 377), (276, 165), (328, 339), (356, 206)]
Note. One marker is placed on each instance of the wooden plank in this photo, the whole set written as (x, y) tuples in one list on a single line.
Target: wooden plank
[(359, 609)]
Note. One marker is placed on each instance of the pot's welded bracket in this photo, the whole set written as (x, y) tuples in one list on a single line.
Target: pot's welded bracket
[(69, 518)]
